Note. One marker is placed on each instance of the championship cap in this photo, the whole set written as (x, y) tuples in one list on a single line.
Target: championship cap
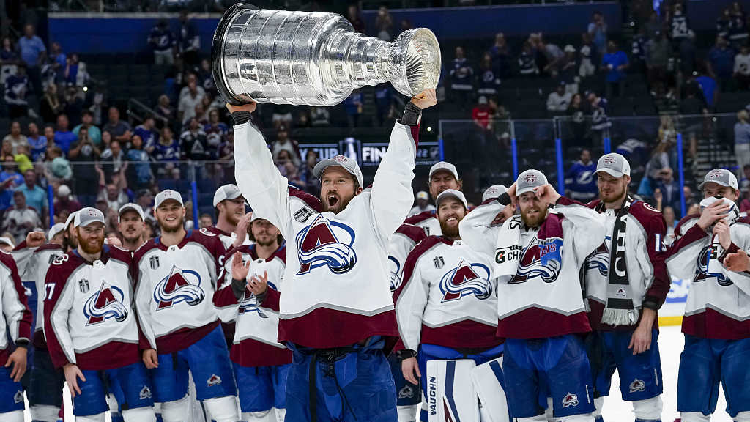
[(343, 161), (226, 192), (167, 195), (493, 191), (452, 193), (4, 240), (131, 207), (88, 215), (70, 219), (54, 230), (422, 195), (443, 166), (613, 164), (63, 190), (530, 180), (722, 177)]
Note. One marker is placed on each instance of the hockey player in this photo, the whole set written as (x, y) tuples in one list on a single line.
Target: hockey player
[(537, 256), (336, 312), (442, 176), (131, 225), (717, 314), (176, 277), (261, 363), (447, 305), (230, 208), (626, 282), (90, 326), (15, 319)]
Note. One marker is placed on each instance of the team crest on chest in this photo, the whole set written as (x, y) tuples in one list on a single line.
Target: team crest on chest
[(703, 272), (326, 243), (543, 258), (177, 287), (106, 303), (250, 303), (464, 280)]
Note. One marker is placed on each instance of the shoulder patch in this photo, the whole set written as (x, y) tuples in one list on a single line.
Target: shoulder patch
[(60, 259), (206, 232)]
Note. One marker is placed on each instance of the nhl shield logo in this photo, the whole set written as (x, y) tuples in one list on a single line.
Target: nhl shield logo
[(570, 400), (83, 285), (439, 262), (154, 262), (303, 214), (214, 380), (637, 385)]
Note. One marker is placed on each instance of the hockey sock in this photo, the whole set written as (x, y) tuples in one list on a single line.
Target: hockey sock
[(407, 413), (44, 413), (15, 416), (222, 409), (267, 416), (141, 414)]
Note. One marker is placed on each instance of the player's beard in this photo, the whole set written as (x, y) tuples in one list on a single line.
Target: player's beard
[(448, 230), (93, 246), (533, 221), (70, 241), (178, 224), (265, 240), (234, 219), (335, 203), (613, 196)]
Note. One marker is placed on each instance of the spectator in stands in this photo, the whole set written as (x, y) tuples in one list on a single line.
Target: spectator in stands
[(75, 72), (527, 61), (114, 197), (63, 136), (671, 219), (312, 183), (36, 197), (708, 86), (94, 133), (576, 112), (599, 119), (57, 60), (292, 173), (588, 55), (49, 135), (692, 101), (188, 40), (615, 63), (657, 59), (65, 202), (10, 179), (353, 105), (581, 178), (20, 219), (164, 109), (742, 139), (50, 106), (205, 221), (721, 58), (668, 189), (422, 205), (16, 138), (280, 159), (723, 23), (37, 142), (191, 77), (138, 169), (745, 201), (16, 88), (8, 59), (568, 69), (163, 42), (384, 100), (145, 199), (112, 160), (489, 78), (558, 100), (6, 150), (148, 133), (33, 54), (82, 155), (320, 116), (384, 24), (481, 113), (284, 142), (678, 26), (194, 142), (742, 68), (353, 15), (552, 56), (500, 56), (666, 132), (72, 105), (688, 54), (216, 130), (120, 130), (96, 103), (188, 103), (461, 77), (738, 32), (168, 148), (58, 168), (598, 30)]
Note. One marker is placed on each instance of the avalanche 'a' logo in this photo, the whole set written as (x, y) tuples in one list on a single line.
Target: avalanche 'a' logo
[(464, 280), (179, 286), (599, 261), (106, 303), (250, 303), (540, 260), (394, 272), (703, 272), (326, 243)]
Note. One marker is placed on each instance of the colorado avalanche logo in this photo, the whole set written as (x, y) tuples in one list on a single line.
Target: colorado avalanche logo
[(326, 243), (179, 286), (703, 273), (464, 280), (107, 303), (395, 273), (599, 261), (250, 303), (543, 260)]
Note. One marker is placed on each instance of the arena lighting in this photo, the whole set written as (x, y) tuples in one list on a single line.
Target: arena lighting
[(85, 88), (429, 128)]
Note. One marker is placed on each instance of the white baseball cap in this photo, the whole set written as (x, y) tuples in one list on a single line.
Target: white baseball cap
[(54, 230), (342, 161), (443, 166), (167, 195), (226, 192), (131, 207), (63, 190), (529, 180), (493, 191), (70, 219), (4, 240), (87, 216), (452, 193), (613, 164), (422, 195), (722, 177)]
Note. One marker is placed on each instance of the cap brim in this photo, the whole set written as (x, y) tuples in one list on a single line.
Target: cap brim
[(88, 223), (324, 164), (613, 173), (524, 190), (718, 183), (168, 200), (449, 171)]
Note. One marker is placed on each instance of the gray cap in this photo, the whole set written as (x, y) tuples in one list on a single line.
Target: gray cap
[(226, 192), (529, 180), (722, 177), (342, 161), (131, 207), (88, 215), (493, 191), (613, 164), (54, 230), (443, 166), (166, 195), (452, 193)]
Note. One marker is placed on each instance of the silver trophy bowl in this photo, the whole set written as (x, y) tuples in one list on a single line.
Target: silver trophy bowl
[(314, 58)]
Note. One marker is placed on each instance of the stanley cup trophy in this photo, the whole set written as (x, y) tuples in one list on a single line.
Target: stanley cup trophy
[(314, 58)]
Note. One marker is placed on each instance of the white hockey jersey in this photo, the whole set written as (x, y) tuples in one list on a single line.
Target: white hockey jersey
[(89, 316), (406, 238), (174, 290), (427, 221), (256, 335), (540, 300), (36, 270), (718, 302), (15, 316), (448, 297), (336, 289)]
